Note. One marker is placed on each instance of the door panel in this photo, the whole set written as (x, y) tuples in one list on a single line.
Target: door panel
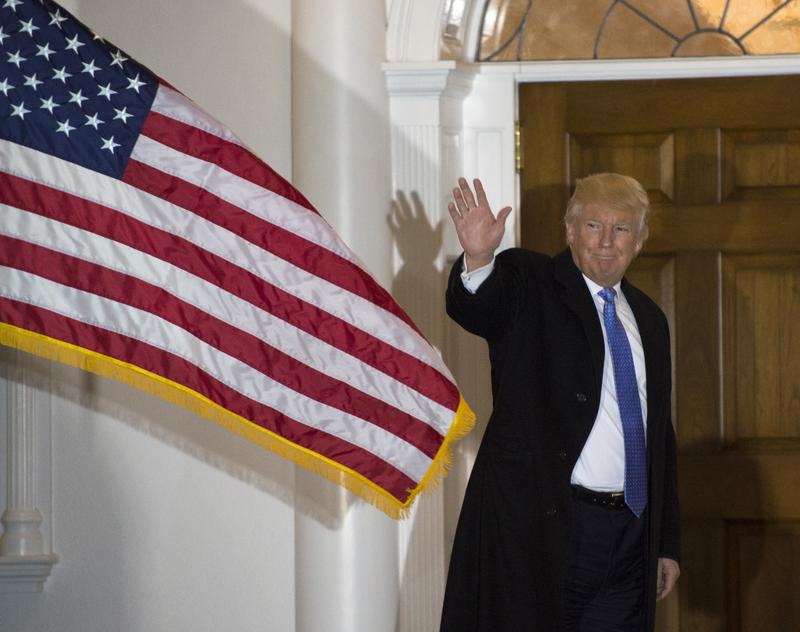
[(720, 159)]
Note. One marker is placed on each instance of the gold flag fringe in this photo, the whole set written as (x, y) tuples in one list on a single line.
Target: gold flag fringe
[(106, 366)]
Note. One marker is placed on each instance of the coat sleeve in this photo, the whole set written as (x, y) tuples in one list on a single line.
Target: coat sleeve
[(490, 311), (670, 526)]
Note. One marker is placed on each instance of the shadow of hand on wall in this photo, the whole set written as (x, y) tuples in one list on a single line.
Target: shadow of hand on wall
[(418, 284)]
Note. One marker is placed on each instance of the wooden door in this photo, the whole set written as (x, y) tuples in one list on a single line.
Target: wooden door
[(720, 159)]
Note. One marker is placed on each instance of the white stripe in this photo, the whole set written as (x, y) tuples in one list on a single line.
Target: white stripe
[(154, 211), (174, 105), (263, 203), (225, 306), (146, 327)]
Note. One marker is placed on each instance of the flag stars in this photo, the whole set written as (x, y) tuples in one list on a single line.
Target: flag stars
[(94, 120), (3, 35), (106, 91), (108, 143), (56, 18), (32, 82), (117, 58), (5, 87), (64, 127), (28, 27), (122, 114), (135, 84), (12, 4), (15, 58), (62, 75), (73, 44), (44, 51), (19, 110), (48, 104), (77, 97), (90, 68)]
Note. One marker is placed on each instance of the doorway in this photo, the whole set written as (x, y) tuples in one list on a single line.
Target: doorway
[(720, 159)]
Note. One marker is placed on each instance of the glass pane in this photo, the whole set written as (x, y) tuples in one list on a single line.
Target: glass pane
[(521, 30)]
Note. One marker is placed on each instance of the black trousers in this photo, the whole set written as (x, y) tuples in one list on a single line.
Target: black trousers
[(604, 576)]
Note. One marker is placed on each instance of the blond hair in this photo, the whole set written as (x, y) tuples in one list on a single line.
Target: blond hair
[(613, 190)]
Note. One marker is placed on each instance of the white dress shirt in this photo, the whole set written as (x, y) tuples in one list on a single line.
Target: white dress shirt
[(601, 464)]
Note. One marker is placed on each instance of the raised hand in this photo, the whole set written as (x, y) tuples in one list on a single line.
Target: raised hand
[(479, 231)]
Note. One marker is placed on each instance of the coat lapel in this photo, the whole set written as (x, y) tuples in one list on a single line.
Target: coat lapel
[(577, 297)]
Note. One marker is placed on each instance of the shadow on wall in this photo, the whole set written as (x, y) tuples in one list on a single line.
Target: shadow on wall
[(419, 286)]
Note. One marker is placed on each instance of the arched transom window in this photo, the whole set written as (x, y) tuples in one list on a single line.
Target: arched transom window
[(519, 30)]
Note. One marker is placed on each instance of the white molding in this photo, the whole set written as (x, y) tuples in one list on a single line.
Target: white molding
[(633, 69), (429, 79), (472, 29), (25, 560), (25, 574), (415, 30)]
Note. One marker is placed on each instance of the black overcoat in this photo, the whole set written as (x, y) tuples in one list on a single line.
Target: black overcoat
[(546, 349)]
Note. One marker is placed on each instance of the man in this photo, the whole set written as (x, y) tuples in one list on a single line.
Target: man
[(570, 519)]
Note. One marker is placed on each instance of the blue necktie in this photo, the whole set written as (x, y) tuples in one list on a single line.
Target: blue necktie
[(630, 407)]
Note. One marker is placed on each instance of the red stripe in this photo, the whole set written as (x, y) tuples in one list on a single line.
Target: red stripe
[(83, 275), (230, 156), (178, 370), (301, 252), (184, 254)]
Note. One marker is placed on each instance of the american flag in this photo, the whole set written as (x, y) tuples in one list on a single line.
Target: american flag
[(140, 239)]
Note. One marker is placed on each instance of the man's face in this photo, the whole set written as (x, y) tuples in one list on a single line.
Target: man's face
[(604, 241)]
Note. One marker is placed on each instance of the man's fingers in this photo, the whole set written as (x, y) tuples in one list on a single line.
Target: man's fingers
[(454, 213), (668, 574), (480, 193), (467, 193), (670, 579), (503, 214), (458, 197)]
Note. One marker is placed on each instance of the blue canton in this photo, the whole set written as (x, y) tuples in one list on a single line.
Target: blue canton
[(66, 92), (630, 406)]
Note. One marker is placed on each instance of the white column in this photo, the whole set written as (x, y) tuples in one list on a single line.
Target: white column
[(427, 157), (346, 551), (340, 121), (25, 560)]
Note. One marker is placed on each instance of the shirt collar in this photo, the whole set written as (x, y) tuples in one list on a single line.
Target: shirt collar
[(594, 288)]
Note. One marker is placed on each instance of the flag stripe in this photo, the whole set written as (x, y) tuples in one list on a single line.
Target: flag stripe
[(171, 103), (231, 156), (311, 336), (152, 210), (258, 201), (120, 287), (181, 371), (296, 250), (135, 323)]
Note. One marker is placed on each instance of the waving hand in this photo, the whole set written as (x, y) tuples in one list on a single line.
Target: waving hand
[(479, 231)]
